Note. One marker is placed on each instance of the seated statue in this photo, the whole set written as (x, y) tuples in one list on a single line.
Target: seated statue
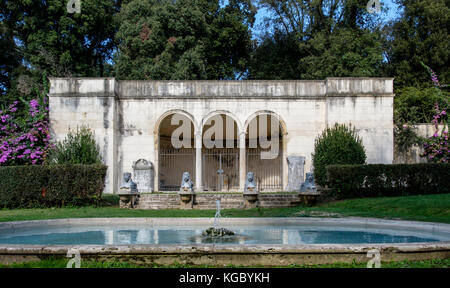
[(250, 185), (186, 184), (308, 185), (127, 184)]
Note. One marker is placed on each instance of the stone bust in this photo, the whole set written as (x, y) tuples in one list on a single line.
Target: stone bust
[(250, 185), (128, 184), (308, 185), (186, 183)]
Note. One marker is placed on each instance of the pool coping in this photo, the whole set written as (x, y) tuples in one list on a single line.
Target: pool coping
[(226, 254)]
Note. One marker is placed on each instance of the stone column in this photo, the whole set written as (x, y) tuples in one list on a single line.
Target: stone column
[(242, 161), (198, 162)]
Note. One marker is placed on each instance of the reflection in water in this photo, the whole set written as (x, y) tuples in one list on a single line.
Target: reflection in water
[(250, 235)]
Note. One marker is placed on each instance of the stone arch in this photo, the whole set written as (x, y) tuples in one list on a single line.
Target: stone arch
[(171, 112), (284, 130), (270, 173), (220, 162), (221, 112), (166, 176)]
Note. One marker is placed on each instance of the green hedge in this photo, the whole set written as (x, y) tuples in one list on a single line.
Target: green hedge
[(51, 186), (359, 181)]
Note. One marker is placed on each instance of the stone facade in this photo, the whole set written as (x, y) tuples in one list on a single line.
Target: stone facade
[(412, 156), (126, 115)]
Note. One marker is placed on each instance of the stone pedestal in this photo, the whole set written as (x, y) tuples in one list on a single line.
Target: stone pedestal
[(186, 199), (144, 175), (296, 166), (128, 199), (250, 199), (309, 198)]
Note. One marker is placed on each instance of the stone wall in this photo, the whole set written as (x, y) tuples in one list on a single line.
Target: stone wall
[(125, 115), (208, 201), (412, 156)]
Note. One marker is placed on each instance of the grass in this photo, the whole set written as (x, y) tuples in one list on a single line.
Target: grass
[(61, 263), (433, 208)]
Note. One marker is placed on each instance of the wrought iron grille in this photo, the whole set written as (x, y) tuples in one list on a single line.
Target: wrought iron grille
[(220, 169), (173, 163), (268, 172)]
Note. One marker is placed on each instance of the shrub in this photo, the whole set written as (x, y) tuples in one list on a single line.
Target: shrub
[(24, 140), (359, 181), (50, 186), (337, 145), (79, 147), (436, 148)]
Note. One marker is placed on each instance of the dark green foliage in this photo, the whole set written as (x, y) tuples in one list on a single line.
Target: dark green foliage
[(183, 40), (336, 145), (10, 56), (420, 34), (50, 186), (342, 53), (318, 39), (41, 36), (359, 181), (414, 105), (79, 147), (273, 58), (65, 44)]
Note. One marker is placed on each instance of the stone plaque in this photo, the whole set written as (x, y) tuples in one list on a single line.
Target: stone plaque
[(144, 175), (296, 166)]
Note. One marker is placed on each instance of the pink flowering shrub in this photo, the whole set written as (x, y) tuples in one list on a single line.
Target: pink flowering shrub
[(24, 140), (436, 148)]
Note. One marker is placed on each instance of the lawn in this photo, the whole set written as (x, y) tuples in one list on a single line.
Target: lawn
[(61, 263), (434, 208)]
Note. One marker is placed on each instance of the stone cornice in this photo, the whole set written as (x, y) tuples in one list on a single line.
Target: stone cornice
[(223, 89)]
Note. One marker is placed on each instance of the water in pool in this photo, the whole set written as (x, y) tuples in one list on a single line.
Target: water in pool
[(123, 235)]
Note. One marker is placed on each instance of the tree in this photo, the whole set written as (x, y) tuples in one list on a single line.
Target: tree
[(61, 43), (183, 39), (274, 58), (420, 34), (345, 52), (10, 57), (332, 38)]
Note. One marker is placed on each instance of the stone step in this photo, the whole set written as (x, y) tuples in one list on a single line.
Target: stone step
[(208, 201)]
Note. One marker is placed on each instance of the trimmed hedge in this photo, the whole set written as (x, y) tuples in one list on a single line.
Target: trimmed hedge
[(51, 186), (359, 181)]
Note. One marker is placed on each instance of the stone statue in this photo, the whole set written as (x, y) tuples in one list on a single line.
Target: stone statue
[(128, 184), (296, 166), (186, 184), (308, 185), (250, 186), (143, 175)]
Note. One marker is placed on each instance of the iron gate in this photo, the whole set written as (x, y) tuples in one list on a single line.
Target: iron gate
[(268, 172), (173, 163), (220, 169)]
